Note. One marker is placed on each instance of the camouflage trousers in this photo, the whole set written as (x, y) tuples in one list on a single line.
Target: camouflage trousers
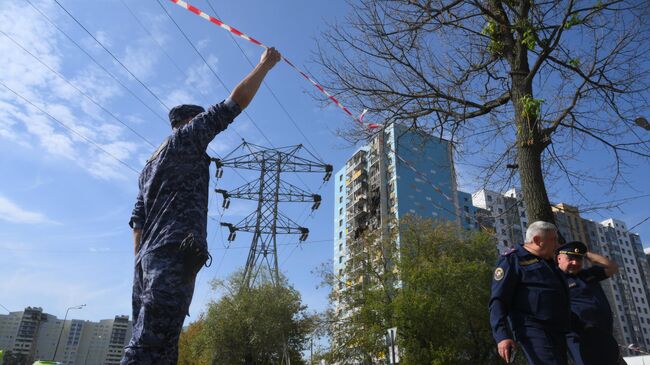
[(163, 286)]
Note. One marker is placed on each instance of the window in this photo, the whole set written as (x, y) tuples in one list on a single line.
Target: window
[(489, 198), (340, 211), (340, 259), (340, 199), (500, 210), (502, 221), (341, 188), (340, 247), (340, 177), (340, 234), (340, 222)]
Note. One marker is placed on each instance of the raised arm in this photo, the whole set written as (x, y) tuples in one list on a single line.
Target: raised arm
[(247, 88), (610, 266)]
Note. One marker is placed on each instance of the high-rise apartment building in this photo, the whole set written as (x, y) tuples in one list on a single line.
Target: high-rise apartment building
[(398, 173), (628, 291), (32, 335), (508, 212)]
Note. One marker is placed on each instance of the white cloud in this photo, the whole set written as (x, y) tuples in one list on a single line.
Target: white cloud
[(24, 124), (11, 212)]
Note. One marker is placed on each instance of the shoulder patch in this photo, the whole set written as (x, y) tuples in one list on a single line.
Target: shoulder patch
[(498, 274), (572, 285), (528, 262)]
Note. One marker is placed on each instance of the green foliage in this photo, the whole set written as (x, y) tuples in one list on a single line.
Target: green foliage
[(441, 310), (368, 286), (250, 326), (435, 290), (531, 107), (575, 62), (491, 29), (192, 347), (574, 20), (529, 39)]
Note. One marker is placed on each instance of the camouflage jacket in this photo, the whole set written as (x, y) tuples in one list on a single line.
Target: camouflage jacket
[(173, 199)]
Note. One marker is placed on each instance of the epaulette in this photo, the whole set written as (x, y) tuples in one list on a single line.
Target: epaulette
[(508, 251), (528, 262)]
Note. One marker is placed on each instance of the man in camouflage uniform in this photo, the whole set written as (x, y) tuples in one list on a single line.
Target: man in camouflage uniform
[(170, 218)]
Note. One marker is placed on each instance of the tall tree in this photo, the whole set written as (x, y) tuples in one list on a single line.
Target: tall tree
[(434, 288), (441, 310), (546, 79), (192, 346), (252, 325)]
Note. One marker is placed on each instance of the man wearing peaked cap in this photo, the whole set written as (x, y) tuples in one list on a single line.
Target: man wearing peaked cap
[(170, 218), (591, 339)]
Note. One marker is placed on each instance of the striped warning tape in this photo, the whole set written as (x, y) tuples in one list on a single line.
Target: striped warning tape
[(238, 33)]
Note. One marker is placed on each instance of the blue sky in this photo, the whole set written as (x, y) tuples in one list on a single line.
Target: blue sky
[(64, 204)]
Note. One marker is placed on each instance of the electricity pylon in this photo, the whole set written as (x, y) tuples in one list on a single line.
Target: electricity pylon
[(269, 190)]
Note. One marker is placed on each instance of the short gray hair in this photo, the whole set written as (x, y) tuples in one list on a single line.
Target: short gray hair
[(536, 228)]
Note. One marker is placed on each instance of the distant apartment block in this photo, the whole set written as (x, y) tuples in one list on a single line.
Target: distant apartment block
[(33, 335)]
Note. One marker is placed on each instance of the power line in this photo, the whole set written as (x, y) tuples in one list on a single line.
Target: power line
[(286, 112), (44, 16), (638, 224), (220, 80), (137, 19), (177, 67), (104, 69), (112, 55), (76, 88), (210, 68), (90, 141)]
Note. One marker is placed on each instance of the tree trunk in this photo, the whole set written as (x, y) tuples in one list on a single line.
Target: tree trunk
[(533, 188), (530, 141), (530, 145)]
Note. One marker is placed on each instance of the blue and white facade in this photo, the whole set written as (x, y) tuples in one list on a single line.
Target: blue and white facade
[(398, 173)]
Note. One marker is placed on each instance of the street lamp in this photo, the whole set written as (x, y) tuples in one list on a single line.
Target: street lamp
[(63, 325)]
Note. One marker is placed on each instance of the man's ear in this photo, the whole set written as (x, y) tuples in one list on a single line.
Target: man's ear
[(537, 239)]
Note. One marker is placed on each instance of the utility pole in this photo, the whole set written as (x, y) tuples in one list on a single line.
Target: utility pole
[(266, 222)]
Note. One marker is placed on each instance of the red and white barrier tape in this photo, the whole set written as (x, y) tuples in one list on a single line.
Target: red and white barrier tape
[(236, 32)]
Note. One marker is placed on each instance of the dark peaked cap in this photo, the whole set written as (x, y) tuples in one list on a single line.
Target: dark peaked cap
[(575, 248), (180, 113)]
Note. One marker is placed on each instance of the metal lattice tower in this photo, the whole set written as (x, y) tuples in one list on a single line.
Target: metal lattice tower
[(269, 190)]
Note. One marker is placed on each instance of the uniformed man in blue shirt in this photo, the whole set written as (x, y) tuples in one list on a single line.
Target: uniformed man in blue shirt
[(170, 218), (530, 300), (591, 340)]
